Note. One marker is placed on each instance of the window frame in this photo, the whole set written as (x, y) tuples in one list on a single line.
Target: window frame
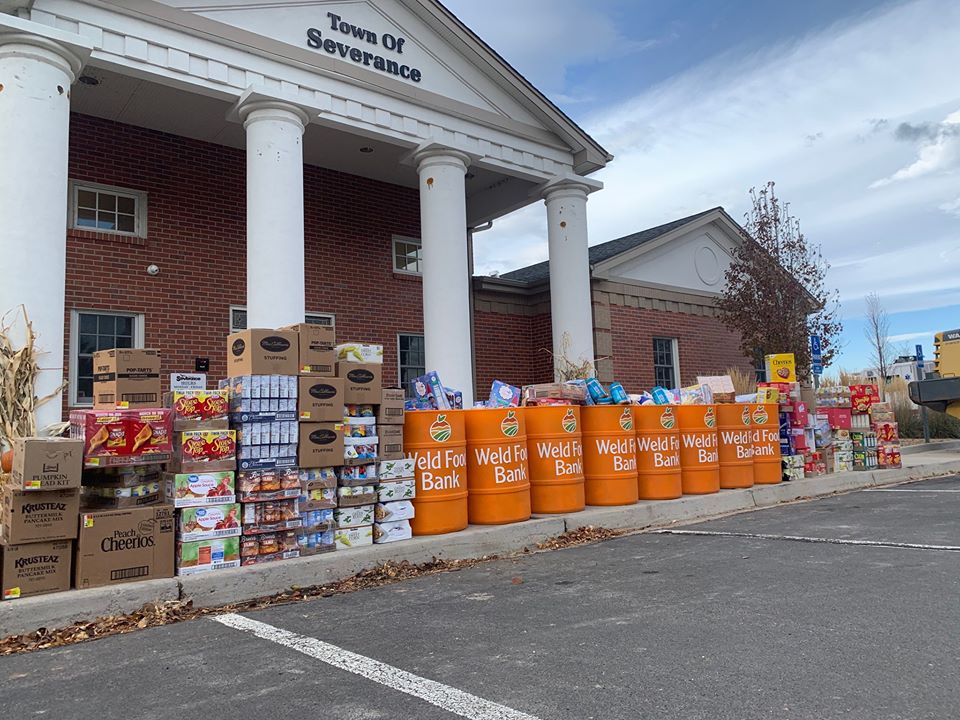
[(674, 355), (138, 338), (393, 255), (307, 316), (139, 216), (401, 366)]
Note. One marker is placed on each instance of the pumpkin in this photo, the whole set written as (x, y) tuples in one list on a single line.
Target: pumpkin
[(6, 461)]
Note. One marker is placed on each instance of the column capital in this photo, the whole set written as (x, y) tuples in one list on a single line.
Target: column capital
[(433, 154), (568, 186), (268, 107), (23, 38)]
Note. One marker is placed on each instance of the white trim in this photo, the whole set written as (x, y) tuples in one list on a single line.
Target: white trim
[(675, 356), (393, 254), (399, 364), (315, 315), (138, 196), (138, 340)]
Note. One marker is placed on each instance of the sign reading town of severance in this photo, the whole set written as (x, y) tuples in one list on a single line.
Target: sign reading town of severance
[(333, 46)]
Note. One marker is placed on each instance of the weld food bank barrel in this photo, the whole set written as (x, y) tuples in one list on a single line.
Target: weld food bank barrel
[(766, 444), (735, 445), (498, 480), (437, 443), (658, 452), (609, 455), (699, 463), (555, 458)]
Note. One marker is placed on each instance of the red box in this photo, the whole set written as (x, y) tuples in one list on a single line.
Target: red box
[(840, 418), (888, 455), (800, 439), (123, 433), (800, 417), (886, 432), (863, 396)]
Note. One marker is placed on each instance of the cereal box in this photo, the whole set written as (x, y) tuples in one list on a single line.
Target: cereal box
[(781, 368)]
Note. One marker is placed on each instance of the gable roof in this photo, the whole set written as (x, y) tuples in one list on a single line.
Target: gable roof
[(605, 251)]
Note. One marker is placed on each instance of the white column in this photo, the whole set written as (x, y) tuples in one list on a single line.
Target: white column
[(36, 73), (446, 272), (275, 266), (570, 298)]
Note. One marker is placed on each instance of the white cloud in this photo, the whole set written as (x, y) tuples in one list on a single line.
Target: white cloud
[(939, 152), (904, 337)]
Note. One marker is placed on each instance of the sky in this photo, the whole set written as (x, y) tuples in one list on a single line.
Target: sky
[(852, 108)]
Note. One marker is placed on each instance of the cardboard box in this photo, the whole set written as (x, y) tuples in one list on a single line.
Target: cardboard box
[(36, 568), (863, 396), (205, 555), (349, 517), (388, 532), (362, 382), (391, 442), (316, 354), (262, 352), (346, 538), (393, 511), (360, 353), (320, 399), (197, 451), (321, 445), (781, 368), (117, 546), (403, 469), (207, 523), (199, 409), (47, 463), (126, 378), (391, 410), (28, 516), (198, 489), (396, 490)]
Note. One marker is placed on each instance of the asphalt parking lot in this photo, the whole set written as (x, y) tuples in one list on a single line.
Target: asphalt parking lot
[(750, 616)]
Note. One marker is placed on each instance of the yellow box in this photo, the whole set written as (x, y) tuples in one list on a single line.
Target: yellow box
[(781, 368), (768, 396)]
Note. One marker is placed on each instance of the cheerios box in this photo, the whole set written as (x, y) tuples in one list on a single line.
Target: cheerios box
[(781, 368)]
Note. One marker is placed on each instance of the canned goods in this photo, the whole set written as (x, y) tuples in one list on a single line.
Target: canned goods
[(618, 394), (595, 389)]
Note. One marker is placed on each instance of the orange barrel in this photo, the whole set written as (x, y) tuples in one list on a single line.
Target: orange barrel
[(658, 452), (766, 444), (555, 457), (699, 463), (735, 445), (498, 481), (609, 455), (435, 439)]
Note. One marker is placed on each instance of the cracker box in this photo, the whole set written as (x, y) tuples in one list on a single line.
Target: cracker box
[(362, 382), (781, 368), (387, 532), (346, 538), (320, 445), (47, 463), (35, 568), (118, 546), (262, 352), (200, 488), (206, 523), (320, 399), (126, 378), (206, 555), (316, 354), (27, 516), (391, 407), (863, 396)]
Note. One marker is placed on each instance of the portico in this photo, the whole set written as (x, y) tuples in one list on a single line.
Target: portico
[(458, 124)]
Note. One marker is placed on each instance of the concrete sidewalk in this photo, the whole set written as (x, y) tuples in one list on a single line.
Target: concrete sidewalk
[(230, 586)]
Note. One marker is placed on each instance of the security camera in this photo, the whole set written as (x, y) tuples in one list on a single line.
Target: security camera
[(153, 270)]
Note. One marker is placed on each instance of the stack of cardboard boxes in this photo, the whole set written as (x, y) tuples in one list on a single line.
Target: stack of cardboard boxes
[(38, 518), (884, 424)]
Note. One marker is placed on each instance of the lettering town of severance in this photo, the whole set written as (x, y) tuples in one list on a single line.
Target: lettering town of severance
[(390, 42)]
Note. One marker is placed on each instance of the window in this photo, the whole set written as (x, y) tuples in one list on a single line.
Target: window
[(97, 330), (238, 319), (108, 209), (412, 359), (666, 370), (407, 255)]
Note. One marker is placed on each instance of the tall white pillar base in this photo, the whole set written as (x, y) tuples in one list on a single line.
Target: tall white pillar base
[(275, 258), (446, 271), (570, 297), (37, 67)]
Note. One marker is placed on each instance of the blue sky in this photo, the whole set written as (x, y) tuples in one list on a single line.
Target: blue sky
[(852, 107)]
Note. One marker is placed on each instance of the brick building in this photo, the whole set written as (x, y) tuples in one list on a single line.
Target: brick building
[(178, 172)]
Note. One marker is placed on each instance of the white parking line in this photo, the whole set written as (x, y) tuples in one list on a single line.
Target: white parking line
[(909, 490), (802, 538), (443, 696)]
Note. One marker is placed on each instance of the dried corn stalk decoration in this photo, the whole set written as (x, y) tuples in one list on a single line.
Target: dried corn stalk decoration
[(18, 377), (566, 369)]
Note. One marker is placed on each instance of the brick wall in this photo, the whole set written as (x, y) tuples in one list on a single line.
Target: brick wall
[(706, 347), (510, 348)]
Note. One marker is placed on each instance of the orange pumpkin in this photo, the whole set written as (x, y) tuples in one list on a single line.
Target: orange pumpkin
[(6, 461)]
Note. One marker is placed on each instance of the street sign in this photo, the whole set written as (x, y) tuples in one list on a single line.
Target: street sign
[(815, 346), (816, 357), (817, 368), (920, 356)]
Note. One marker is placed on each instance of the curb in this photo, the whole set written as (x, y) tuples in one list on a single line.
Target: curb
[(242, 584), (930, 447)]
